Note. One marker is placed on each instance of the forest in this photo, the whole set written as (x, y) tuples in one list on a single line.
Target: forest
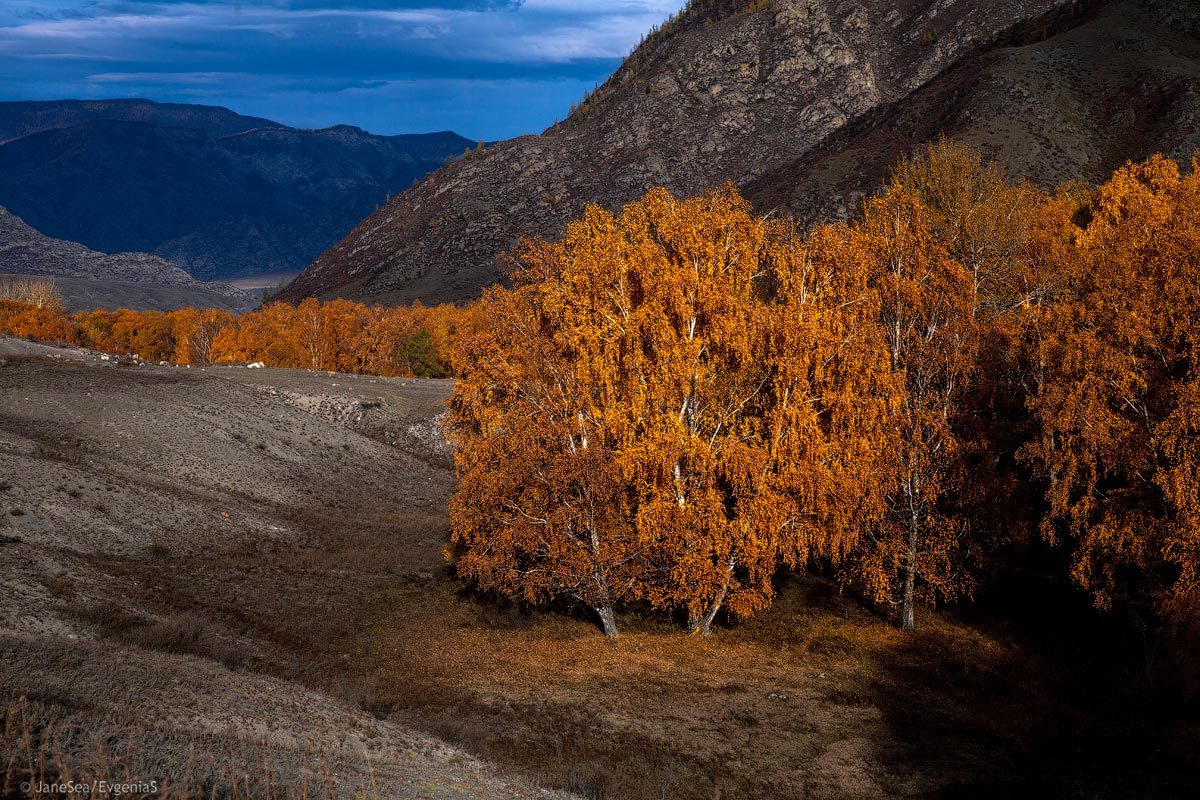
[(676, 404), (338, 336)]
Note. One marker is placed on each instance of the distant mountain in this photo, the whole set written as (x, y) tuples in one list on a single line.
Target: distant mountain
[(803, 104), (88, 279), (218, 194), (22, 118)]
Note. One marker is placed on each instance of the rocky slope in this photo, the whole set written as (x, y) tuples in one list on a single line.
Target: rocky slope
[(88, 279), (802, 103), (218, 194), (1123, 84)]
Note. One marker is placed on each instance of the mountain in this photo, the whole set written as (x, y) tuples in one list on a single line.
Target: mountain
[(218, 194), (88, 279), (22, 118), (803, 104)]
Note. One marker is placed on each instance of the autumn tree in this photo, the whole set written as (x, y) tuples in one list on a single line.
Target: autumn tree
[(927, 312), (540, 511), (1119, 403), (703, 372), (195, 333)]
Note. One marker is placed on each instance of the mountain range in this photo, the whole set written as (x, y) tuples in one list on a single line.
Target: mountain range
[(87, 279), (218, 194), (803, 104)]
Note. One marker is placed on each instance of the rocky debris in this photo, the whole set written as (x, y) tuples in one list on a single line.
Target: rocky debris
[(422, 438)]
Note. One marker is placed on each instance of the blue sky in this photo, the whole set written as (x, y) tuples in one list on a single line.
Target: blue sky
[(489, 69)]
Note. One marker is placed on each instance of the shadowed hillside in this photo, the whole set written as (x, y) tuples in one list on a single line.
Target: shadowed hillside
[(87, 279)]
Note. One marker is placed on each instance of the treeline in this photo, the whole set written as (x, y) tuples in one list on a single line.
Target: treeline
[(675, 402), (340, 335)]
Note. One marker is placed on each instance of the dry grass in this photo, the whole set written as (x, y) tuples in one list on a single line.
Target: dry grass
[(182, 633), (40, 744), (817, 698)]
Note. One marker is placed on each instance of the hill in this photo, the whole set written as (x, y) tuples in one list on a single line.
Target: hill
[(218, 194), (802, 104), (204, 478), (88, 279)]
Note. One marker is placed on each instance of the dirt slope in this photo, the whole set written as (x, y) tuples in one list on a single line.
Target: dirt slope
[(138, 502)]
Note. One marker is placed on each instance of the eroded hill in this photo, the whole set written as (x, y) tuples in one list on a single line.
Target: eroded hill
[(182, 581), (87, 279)]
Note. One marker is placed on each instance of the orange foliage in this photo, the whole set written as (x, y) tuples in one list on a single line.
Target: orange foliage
[(44, 323), (343, 336), (1119, 403), (951, 255), (668, 404), (339, 336)]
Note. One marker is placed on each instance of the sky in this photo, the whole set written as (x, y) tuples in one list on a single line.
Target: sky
[(488, 69)]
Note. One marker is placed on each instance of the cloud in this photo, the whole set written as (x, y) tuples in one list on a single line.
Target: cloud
[(535, 55)]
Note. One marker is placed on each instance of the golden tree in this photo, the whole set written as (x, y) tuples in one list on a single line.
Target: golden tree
[(997, 231), (928, 306), (540, 512), (719, 383), (195, 333), (1120, 402)]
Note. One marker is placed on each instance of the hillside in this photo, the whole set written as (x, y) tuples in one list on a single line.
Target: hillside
[(88, 279), (801, 103), (252, 558), (214, 510), (217, 194)]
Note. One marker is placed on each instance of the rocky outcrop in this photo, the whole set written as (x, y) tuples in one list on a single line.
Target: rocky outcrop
[(727, 92), (1116, 85)]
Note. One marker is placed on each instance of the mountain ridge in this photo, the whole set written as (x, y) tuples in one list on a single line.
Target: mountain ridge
[(22, 118), (221, 196), (745, 97)]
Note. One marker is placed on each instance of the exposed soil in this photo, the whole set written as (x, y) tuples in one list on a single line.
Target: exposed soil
[(179, 552), (249, 562)]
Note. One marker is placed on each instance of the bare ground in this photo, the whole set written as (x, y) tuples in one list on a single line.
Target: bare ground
[(139, 502), (248, 564)]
